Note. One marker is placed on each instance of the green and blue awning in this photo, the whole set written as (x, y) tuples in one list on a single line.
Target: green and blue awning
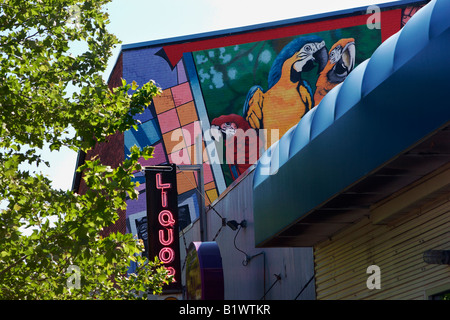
[(356, 146)]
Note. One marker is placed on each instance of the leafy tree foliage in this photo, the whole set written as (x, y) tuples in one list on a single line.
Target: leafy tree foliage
[(50, 97)]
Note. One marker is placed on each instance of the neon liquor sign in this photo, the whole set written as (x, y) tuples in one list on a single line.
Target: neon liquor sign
[(162, 219)]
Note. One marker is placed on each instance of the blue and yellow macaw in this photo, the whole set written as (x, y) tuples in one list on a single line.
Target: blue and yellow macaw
[(288, 96), (341, 62)]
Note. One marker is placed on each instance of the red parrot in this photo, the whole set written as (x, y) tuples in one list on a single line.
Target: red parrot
[(244, 144)]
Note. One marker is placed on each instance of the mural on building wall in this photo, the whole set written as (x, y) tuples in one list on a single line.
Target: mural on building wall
[(272, 84), (242, 87), (408, 12), (170, 125)]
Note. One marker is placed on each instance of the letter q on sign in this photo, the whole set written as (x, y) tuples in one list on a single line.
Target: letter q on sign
[(166, 219)]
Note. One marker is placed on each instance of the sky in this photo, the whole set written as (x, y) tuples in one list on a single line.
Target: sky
[(134, 21)]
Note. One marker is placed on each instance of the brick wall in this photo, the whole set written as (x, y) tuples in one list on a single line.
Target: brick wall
[(110, 152)]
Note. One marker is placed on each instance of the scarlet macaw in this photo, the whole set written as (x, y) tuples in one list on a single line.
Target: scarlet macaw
[(242, 150)]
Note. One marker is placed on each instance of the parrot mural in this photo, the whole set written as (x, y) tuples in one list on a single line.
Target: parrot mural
[(288, 96), (341, 61)]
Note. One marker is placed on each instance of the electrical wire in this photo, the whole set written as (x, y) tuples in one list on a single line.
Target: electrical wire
[(270, 288), (185, 248), (246, 260), (217, 233), (304, 287)]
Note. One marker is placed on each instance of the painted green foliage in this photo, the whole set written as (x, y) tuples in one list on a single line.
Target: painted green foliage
[(226, 74)]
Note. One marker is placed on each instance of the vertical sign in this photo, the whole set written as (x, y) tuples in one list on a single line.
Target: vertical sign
[(162, 219)]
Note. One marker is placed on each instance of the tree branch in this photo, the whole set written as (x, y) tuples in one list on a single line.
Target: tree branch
[(13, 265)]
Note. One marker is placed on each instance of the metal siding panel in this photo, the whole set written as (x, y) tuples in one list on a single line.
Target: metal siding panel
[(295, 265), (341, 262)]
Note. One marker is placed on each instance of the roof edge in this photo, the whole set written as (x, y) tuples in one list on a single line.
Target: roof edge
[(266, 25)]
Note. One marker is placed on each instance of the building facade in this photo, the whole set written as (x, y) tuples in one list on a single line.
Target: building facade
[(266, 125)]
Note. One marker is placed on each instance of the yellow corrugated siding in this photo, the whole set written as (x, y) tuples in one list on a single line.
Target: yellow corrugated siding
[(397, 248)]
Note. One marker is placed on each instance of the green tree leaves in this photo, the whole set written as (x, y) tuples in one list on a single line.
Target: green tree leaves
[(50, 97)]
